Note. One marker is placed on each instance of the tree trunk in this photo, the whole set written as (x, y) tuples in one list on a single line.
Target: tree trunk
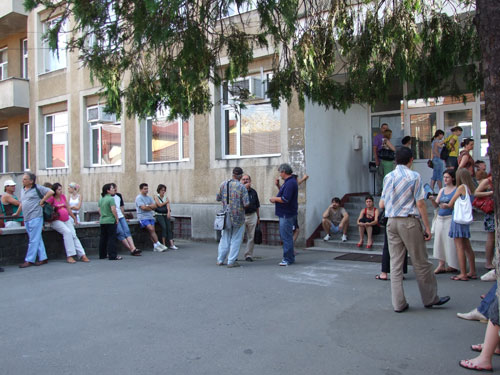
[(488, 27)]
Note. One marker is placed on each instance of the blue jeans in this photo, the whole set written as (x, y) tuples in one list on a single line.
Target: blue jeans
[(487, 301), (122, 230), (286, 234), (36, 246), (230, 243)]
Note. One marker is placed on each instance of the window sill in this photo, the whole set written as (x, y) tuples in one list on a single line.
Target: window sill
[(47, 74), (231, 157)]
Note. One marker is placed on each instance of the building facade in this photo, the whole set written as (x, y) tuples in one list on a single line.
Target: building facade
[(53, 122)]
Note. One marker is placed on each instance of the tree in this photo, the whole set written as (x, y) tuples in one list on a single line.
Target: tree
[(164, 53)]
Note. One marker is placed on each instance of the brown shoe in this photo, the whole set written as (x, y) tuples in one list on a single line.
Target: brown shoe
[(39, 263), (84, 259), (26, 264)]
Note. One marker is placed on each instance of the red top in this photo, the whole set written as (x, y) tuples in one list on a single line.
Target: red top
[(60, 207)]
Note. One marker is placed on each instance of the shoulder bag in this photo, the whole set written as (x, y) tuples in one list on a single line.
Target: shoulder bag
[(445, 153), (462, 210), (485, 204), (221, 216), (257, 237), (49, 214), (162, 209)]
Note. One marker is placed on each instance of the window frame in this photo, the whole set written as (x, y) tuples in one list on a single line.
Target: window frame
[(4, 150), (26, 146), (4, 65), (163, 114), (230, 105), (45, 117), (24, 58), (61, 48), (97, 125)]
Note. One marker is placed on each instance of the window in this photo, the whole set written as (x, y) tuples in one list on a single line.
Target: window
[(396, 124), (4, 148), (233, 8), (56, 140), (25, 58), (105, 137), (54, 60), (253, 128), (484, 137), (26, 146), (167, 140), (4, 62), (422, 127)]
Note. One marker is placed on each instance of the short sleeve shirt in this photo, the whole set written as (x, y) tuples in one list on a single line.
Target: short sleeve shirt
[(31, 202), (453, 149), (288, 193), (336, 216), (118, 203), (378, 141), (105, 204), (254, 202), (144, 200), (403, 188), (238, 199)]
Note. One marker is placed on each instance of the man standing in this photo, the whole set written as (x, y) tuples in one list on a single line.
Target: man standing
[(145, 207), (377, 146), (452, 143), (252, 216), (335, 219), (286, 209), (234, 198), (403, 199)]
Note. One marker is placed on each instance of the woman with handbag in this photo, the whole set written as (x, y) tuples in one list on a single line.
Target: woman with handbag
[(64, 225), (437, 163), (444, 246), (485, 191), (460, 224), (163, 215)]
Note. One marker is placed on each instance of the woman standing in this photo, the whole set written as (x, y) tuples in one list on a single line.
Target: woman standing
[(387, 153), (162, 213), (461, 232), (65, 226), (368, 221), (444, 246), (75, 199), (108, 220), (484, 190), (465, 159), (437, 163), (122, 229), (33, 197)]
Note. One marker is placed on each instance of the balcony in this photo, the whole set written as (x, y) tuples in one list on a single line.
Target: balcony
[(13, 17), (14, 97)]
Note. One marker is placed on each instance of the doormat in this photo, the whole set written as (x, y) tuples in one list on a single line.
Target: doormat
[(355, 257), (375, 258)]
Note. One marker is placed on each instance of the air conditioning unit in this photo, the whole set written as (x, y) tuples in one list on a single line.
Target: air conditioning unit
[(98, 114)]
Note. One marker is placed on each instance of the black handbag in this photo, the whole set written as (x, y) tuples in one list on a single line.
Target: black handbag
[(430, 164), (386, 154), (382, 219), (257, 237), (445, 153), (162, 209), (49, 213)]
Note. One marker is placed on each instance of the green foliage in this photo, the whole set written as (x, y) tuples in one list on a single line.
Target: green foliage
[(157, 53)]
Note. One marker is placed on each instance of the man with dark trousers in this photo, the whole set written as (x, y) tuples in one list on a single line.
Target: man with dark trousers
[(252, 216), (286, 209)]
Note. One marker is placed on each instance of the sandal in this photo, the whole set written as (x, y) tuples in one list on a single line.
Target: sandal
[(70, 260), (457, 278), (117, 258), (438, 270), (136, 253), (472, 277), (359, 244), (479, 348), (378, 277), (84, 258), (466, 363)]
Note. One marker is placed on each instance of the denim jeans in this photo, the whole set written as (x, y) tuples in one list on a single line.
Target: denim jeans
[(122, 229), (286, 234), (36, 246), (488, 300), (230, 243)]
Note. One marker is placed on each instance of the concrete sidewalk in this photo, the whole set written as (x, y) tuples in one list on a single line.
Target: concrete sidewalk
[(179, 313)]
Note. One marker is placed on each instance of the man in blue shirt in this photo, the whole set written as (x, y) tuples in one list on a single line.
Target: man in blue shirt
[(286, 209)]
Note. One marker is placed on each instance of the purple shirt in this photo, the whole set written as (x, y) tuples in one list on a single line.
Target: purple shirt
[(378, 141)]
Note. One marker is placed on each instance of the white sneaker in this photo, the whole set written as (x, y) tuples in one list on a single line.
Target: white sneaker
[(173, 247), (159, 248), (326, 238), (344, 238), (283, 263), (472, 315), (489, 276)]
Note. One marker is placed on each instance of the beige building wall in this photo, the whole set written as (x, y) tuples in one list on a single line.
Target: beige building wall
[(191, 185)]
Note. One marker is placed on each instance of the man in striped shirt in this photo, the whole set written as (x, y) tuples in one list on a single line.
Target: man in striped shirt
[(403, 198)]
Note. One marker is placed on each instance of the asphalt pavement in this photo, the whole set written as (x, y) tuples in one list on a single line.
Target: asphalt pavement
[(178, 313)]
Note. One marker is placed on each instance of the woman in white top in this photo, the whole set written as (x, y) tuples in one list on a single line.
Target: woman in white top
[(75, 199)]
